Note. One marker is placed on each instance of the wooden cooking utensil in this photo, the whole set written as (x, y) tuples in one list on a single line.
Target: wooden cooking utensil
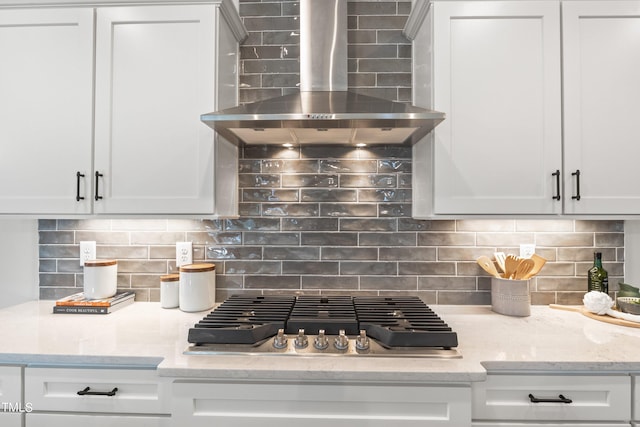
[(500, 257), (524, 268), (510, 266), (487, 265), (538, 263)]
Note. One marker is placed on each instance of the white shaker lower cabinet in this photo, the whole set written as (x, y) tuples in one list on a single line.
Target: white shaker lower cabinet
[(12, 406), (508, 400), (259, 404), (10, 420), (96, 397)]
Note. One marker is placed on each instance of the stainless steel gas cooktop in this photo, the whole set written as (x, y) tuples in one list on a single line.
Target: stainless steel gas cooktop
[(323, 326)]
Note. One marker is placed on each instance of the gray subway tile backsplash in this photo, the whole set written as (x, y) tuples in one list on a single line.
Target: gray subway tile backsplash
[(369, 255), (331, 219)]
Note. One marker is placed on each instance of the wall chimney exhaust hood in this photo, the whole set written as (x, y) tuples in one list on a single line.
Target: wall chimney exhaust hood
[(323, 112)]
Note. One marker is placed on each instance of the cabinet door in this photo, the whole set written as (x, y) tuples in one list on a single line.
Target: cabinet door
[(10, 420), (155, 76), (11, 404), (636, 403), (10, 384), (497, 78), (601, 59), (46, 86)]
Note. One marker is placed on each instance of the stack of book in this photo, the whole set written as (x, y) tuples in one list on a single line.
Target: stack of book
[(77, 303)]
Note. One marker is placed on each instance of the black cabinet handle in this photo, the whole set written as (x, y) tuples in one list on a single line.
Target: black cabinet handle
[(98, 176), (557, 175), (78, 176), (577, 175), (86, 392), (560, 399)]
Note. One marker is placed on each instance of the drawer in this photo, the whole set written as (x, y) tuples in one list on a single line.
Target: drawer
[(81, 420), (205, 404), (594, 398), (56, 389), (10, 385)]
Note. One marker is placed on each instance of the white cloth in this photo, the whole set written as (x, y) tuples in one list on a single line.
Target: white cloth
[(601, 303)]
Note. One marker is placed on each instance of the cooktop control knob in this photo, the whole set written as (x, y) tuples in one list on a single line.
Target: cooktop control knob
[(342, 341), (280, 341), (301, 340), (321, 342), (362, 341)]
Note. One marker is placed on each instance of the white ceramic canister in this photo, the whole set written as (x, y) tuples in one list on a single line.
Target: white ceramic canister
[(169, 290), (100, 278), (197, 287)]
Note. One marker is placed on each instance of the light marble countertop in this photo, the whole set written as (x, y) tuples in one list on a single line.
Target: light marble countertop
[(146, 335)]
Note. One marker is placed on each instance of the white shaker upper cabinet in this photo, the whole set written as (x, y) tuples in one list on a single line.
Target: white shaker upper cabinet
[(601, 60), (494, 69), (156, 72), (46, 80)]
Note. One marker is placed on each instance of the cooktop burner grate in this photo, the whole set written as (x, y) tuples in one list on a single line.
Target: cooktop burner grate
[(403, 322), (243, 320), (330, 313), (394, 322)]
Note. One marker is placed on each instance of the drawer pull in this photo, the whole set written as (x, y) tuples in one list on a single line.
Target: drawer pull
[(86, 392), (560, 399)]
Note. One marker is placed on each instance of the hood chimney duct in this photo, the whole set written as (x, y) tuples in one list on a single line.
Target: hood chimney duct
[(324, 112)]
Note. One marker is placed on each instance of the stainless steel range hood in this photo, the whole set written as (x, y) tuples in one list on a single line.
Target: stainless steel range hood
[(324, 112)]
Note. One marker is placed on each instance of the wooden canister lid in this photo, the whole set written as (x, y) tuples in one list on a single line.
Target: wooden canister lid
[(170, 277), (99, 262), (197, 268)]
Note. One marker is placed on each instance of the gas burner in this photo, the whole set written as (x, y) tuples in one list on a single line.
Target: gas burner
[(323, 325)]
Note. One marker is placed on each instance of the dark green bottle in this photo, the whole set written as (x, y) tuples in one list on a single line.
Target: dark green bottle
[(598, 278)]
